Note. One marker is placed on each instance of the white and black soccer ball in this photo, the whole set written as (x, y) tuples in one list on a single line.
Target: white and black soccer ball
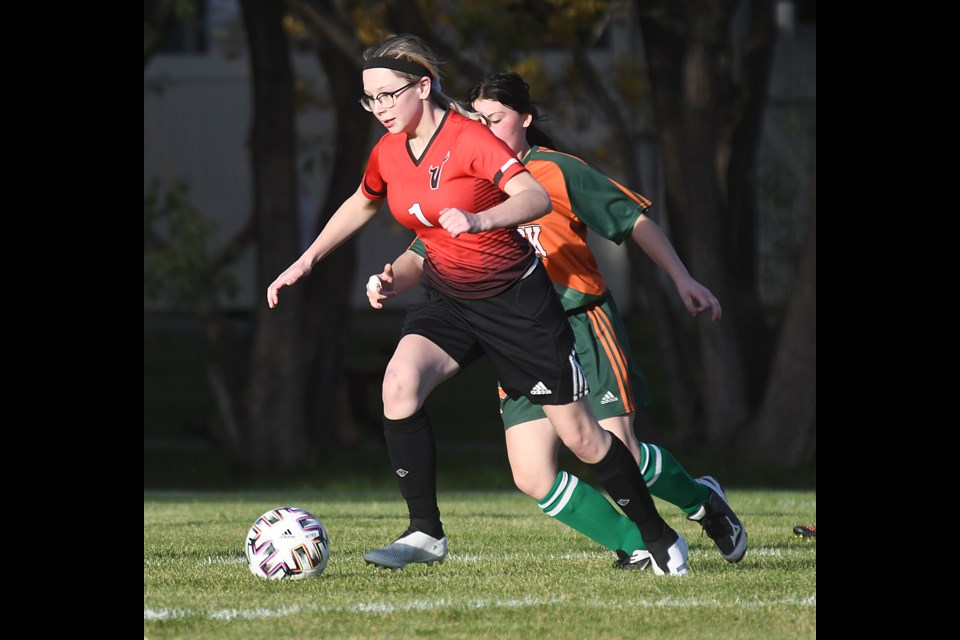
[(287, 544)]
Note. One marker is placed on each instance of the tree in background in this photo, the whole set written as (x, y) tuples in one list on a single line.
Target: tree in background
[(709, 112), (747, 384)]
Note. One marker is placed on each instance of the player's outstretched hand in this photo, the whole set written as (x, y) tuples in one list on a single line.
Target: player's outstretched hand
[(293, 273)]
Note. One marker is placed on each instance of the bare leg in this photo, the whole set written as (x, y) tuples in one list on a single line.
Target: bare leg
[(617, 470), (532, 449)]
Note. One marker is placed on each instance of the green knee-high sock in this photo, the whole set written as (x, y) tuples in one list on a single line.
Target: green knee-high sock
[(579, 506), (668, 480)]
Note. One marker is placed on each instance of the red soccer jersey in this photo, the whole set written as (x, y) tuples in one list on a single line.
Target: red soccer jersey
[(464, 166)]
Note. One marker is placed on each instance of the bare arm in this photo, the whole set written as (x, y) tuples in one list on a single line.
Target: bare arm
[(696, 298), (353, 214), (396, 278), (528, 201)]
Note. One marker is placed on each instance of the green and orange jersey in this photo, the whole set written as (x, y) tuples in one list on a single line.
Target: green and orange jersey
[(583, 199)]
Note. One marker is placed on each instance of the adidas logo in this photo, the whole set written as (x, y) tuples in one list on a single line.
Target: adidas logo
[(608, 397), (540, 389), (623, 502), (402, 473)]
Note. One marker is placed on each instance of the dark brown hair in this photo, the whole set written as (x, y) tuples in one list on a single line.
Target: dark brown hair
[(510, 90)]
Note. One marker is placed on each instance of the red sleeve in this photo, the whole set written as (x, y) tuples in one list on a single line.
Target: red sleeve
[(493, 158), (373, 185)]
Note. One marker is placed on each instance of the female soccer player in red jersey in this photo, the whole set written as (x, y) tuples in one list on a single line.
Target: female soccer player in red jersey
[(463, 191)]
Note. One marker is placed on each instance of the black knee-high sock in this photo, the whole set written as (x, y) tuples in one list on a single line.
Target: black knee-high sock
[(620, 476), (413, 454)]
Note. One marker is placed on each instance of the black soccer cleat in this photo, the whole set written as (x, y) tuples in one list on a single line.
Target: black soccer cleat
[(636, 561), (720, 522)]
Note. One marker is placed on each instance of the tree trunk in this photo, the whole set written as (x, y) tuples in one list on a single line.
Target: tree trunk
[(710, 122), (747, 116), (326, 321), (688, 53), (155, 26), (274, 403), (785, 433)]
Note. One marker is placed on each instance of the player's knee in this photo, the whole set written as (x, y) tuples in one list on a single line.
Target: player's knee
[(590, 445), (532, 485), (399, 392)]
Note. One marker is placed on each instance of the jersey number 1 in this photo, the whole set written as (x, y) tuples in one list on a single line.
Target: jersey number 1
[(416, 211)]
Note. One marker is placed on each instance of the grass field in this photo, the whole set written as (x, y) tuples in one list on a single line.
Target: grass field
[(512, 572)]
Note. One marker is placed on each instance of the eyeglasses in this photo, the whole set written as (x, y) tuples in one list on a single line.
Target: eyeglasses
[(386, 99)]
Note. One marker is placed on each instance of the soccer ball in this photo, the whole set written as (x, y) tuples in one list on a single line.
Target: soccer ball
[(287, 544)]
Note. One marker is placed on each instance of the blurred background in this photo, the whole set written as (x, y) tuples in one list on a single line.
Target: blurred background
[(252, 137)]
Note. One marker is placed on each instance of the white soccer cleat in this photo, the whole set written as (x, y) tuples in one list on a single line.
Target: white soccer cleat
[(672, 561), (412, 546)]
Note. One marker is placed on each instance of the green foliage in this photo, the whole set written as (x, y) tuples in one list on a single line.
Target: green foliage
[(157, 15), (176, 395), (512, 572), (630, 80), (571, 21), (501, 30), (177, 264), (184, 9)]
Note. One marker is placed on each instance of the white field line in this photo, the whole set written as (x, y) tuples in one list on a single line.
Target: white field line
[(766, 552), (386, 608)]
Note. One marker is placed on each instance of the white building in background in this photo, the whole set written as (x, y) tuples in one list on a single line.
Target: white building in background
[(197, 115)]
